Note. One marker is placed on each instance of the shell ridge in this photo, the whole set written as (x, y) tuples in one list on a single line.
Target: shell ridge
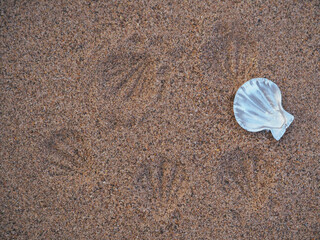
[(254, 126), (265, 95), (276, 94), (251, 120), (248, 97), (261, 104)]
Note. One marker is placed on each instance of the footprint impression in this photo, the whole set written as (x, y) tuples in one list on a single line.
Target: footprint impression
[(230, 56), (131, 83), (245, 174), (67, 153), (161, 184)]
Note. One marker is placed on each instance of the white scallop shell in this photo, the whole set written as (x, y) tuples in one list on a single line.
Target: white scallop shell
[(257, 106)]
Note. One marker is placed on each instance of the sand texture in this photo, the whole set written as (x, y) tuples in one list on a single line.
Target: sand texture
[(117, 120)]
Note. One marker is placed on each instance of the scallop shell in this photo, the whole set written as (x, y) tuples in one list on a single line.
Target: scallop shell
[(257, 106)]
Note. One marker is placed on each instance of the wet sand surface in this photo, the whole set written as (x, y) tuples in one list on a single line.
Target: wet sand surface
[(117, 120)]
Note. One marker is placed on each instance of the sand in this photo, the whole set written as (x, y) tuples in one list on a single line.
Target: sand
[(117, 120)]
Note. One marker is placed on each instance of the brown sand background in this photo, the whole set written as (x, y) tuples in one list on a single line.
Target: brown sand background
[(117, 120)]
